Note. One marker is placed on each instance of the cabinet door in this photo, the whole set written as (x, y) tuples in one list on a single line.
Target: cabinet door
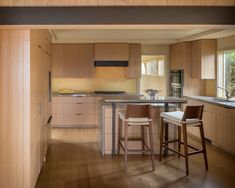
[(180, 56), (85, 60), (134, 65), (209, 125), (226, 129), (57, 61), (70, 60), (111, 52), (203, 59)]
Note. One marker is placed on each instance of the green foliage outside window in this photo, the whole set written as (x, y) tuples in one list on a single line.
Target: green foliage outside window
[(230, 72)]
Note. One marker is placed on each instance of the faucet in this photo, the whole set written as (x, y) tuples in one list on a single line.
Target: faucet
[(226, 92)]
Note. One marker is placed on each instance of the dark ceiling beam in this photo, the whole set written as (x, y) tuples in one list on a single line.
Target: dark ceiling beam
[(117, 15)]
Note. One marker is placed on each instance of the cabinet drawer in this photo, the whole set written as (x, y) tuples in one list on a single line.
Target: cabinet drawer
[(86, 100), (81, 119), (79, 108)]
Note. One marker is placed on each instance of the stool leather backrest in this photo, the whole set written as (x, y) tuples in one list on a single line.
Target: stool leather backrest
[(193, 112), (138, 111)]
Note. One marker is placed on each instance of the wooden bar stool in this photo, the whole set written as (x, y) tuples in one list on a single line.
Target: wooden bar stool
[(191, 117), (135, 115)]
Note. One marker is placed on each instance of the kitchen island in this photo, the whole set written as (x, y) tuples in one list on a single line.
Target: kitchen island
[(116, 104)]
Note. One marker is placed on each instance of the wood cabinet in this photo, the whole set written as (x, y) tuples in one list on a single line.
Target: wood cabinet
[(111, 52), (225, 129), (134, 65), (180, 56), (73, 60), (74, 111), (218, 125), (24, 106), (203, 59)]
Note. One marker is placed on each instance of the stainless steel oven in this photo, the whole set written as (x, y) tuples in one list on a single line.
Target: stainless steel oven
[(176, 82)]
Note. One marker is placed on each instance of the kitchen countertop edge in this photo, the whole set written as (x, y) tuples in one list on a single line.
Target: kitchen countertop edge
[(209, 100)]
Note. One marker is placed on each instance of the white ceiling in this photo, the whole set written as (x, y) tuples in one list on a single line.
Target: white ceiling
[(138, 35)]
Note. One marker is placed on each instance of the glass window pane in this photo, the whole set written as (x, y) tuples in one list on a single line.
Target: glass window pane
[(226, 73)]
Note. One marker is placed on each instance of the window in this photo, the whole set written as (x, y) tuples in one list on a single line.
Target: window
[(152, 65), (226, 73)]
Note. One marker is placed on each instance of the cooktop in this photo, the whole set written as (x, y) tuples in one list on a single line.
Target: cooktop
[(109, 92)]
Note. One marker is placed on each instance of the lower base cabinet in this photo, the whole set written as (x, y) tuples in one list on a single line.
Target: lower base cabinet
[(218, 125), (75, 111)]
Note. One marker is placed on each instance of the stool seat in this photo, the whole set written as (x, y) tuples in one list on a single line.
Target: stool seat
[(176, 117), (134, 120)]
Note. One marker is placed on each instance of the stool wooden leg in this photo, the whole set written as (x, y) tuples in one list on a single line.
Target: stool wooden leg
[(179, 142), (203, 145), (185, 148), (161, 139), (142, 137), (151, 145), (119, 135), (126, 145)]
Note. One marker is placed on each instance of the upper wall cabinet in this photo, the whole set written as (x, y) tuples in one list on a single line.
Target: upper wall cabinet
[(111, 52), (134, 65), (203, 59), (73, 60), (180, 56)]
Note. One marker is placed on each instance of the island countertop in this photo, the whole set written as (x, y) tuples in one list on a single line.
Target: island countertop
[(145, 100)]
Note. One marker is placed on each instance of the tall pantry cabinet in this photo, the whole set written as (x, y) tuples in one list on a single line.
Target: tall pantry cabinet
[(25, 63)]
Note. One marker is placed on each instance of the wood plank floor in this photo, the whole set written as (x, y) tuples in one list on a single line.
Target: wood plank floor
[(73, 161)]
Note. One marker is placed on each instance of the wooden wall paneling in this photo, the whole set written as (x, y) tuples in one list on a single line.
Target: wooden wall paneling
[(134, 65), (140, 2), (184, 2), (107, 2), (116, 2), (218, 2), (35, 112), (14, 45)]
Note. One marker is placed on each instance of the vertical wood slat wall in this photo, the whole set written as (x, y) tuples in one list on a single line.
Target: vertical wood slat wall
[(118, 3), (13, 123), (24, 108)]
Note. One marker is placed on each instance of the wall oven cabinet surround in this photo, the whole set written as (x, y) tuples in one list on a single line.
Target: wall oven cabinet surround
[(74, 111), (203, 59), (73, 60), (111, 52)]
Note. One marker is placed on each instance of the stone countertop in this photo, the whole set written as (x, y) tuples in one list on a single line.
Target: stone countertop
[(145, 100), (212, 100), (92, 94)]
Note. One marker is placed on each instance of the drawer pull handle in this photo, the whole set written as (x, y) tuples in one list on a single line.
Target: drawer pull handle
[(78, 103), (79, 114)]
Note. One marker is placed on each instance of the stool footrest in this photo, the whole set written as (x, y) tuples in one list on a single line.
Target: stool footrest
[(173, 141), (165, 146)]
